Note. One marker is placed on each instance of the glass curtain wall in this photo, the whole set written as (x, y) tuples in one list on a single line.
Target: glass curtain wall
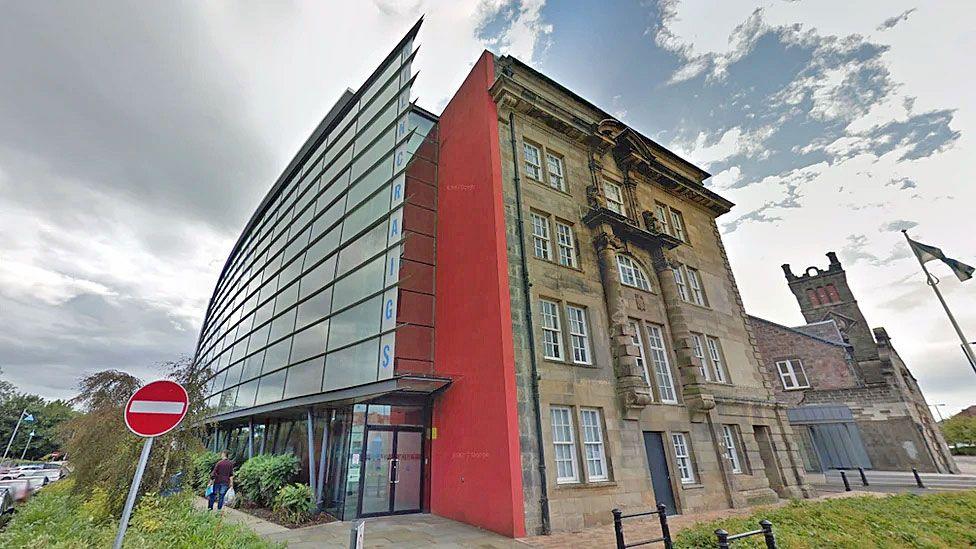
[(309, 298)]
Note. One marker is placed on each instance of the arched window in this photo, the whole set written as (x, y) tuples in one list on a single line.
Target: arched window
[(812, 296), (822, 294), (631, 273), (832, 294)]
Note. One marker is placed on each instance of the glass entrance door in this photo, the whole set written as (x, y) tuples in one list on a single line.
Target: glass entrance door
[(392, 470)]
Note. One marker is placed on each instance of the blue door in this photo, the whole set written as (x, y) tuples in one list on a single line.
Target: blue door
[(657, 462)]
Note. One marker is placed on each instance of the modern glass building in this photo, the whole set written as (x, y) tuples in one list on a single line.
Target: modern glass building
[(300, 338)]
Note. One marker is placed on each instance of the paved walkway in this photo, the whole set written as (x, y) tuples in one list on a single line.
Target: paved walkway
[(967, 464), (407, 531)]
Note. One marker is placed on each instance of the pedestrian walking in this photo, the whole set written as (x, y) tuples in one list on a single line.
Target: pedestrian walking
[(221, 480)]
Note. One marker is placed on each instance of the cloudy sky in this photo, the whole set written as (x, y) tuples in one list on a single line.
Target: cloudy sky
[(136, 139)]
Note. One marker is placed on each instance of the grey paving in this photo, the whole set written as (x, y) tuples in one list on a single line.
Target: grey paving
[(407, 531)]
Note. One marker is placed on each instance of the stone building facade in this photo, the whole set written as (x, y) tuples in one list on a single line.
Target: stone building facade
[(837, 371), (606, 225)]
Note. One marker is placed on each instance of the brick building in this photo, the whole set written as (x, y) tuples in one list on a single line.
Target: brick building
[(853, 401), (518, 314)]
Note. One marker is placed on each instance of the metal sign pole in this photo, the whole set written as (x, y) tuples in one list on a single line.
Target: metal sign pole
[(133, 490), (26, 446)]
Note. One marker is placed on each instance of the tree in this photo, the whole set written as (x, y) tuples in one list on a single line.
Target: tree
[(105, 453), (959, 429), (48, 416)]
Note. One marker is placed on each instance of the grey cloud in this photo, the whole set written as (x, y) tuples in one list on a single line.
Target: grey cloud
[(898, 225), (892, 21), (859, 248), (129, 99)]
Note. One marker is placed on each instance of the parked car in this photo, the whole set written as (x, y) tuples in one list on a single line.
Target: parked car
[(19, 488), (6, 501)]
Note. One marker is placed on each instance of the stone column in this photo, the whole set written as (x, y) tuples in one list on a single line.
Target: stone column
[(633, 392), (693, 391)]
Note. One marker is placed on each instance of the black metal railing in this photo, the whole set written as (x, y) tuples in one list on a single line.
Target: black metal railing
[(765, 528), (864, 478), (618, 528)]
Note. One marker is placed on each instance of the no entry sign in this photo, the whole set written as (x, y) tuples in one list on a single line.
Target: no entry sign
[(156, 408)]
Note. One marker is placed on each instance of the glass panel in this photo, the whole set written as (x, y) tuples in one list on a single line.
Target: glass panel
[(304, 378), (408, 470), (357, 285), (376, 476), (315, 308), (277, 355), (271, 387), (246, 394), (353, 366), (356, 323), (362, 249), (309, 342)]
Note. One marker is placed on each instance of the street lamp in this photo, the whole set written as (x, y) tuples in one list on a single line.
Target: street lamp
[(936, 406)]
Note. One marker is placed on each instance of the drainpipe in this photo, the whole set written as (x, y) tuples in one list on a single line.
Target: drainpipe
[(533, 365)]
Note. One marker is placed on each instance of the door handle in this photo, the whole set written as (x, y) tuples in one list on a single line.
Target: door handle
[(392, 471), (395, 470)]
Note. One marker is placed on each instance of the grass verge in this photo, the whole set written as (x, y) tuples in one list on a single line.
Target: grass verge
[(906, 520)]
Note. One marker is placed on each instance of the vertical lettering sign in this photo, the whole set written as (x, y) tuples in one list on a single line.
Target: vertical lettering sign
[(395, 232)]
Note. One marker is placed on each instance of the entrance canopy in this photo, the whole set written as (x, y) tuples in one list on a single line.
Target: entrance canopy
[(406, 386)]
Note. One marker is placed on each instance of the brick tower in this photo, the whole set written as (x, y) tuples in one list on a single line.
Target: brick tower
[(825, 295)]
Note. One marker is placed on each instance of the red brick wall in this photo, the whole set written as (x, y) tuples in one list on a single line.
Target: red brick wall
[(825, 364)]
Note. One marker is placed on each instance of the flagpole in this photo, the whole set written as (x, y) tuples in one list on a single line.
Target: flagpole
[(935, 287), (13, 435)]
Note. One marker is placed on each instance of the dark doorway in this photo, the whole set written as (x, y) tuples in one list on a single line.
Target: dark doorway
[(392, 473), (657, 462), (770, 464)]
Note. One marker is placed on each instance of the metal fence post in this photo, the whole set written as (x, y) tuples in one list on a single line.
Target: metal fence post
[(723, 538), (618, 529), (864, 478), (767, 529), (665, 530), (918, 479), (847, 484)]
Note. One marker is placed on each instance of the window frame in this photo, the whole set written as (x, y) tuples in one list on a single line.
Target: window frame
[(717, 357), (541, 242), (638, 340), (566, 245), (681, 282), (573, 326), (792, 373), (678, 225), (731, 445), (600, 444), (619, 201), (560, 184), (662, 367), (635, 271), (571, 443), (697, 287), (698, 347), (556, 329), (532, 170), (683, 457)]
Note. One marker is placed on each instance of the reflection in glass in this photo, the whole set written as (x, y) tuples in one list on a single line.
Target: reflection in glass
[(352, 366)]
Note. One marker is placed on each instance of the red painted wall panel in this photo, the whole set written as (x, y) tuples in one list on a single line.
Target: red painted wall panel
[(476, 471)]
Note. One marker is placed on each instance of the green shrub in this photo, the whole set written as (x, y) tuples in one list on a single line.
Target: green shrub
[(963, 451), (55, 518), (202, 465), (906, 520), (260, 478), (294, 503)]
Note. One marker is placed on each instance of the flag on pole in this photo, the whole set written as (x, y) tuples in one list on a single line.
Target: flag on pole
[(926, 253), (28, 417)]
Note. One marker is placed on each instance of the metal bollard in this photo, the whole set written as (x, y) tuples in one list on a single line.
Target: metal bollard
[(618, 529), (723, 538), (864, 478), (847, 484), (918, 479), (767, 529), (665, 530)]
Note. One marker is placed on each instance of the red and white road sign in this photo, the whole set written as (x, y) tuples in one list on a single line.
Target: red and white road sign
[(156, 408)]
